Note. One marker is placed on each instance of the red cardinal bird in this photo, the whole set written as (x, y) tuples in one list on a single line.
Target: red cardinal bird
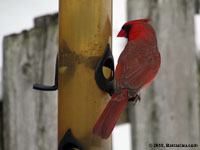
[(137, 66)]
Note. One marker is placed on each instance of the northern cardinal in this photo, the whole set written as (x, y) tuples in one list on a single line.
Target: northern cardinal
[(137, 66)]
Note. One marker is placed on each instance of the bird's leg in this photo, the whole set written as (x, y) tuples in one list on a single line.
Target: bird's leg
[(135, 98)]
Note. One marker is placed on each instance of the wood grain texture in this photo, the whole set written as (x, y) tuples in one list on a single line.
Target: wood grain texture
[(30, 116), (169, 110)]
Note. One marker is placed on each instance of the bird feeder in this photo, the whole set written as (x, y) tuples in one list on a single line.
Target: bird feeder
[(84, 73)]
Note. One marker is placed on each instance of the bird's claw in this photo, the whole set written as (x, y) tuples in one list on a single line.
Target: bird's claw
[(135, 99)]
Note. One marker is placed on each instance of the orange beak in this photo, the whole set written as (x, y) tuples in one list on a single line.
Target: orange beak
[(122, 33)]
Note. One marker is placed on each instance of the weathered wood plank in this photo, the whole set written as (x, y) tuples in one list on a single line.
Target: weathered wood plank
[(30, 116), (169, 110)]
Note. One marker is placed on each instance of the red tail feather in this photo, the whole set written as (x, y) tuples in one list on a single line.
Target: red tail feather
[(110, 115)]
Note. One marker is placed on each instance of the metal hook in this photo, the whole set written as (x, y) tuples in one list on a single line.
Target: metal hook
[(47, 87), (108, 61)]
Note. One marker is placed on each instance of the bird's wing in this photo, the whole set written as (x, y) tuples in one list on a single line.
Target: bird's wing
[(137, 68), (137, 79)]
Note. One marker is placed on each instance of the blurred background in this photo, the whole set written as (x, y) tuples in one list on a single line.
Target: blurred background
[(169, 110)]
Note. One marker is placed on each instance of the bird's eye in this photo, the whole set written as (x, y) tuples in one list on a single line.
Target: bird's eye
[(124, 27), (127, 28)]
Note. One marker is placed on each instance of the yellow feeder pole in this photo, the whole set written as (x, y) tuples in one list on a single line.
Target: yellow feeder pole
[(84, 31)]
